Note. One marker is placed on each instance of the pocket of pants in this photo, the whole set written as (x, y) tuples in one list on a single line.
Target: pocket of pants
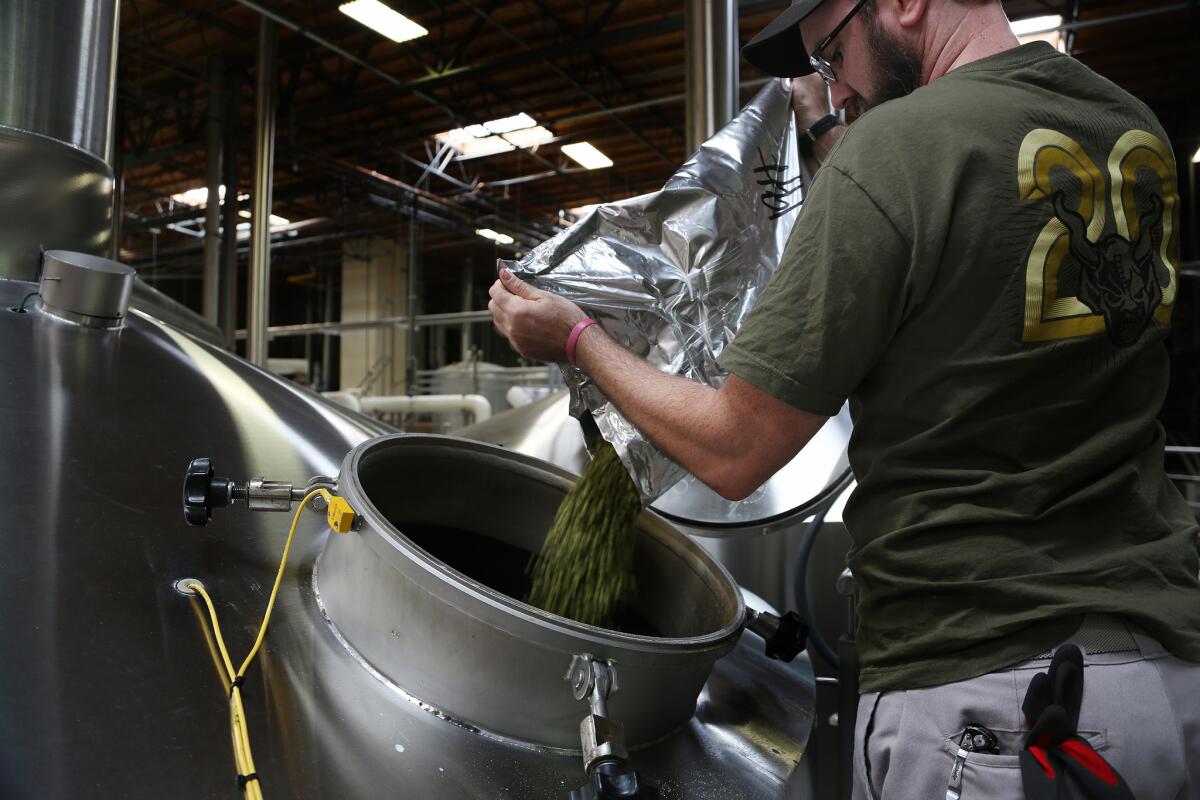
[(997, 776)]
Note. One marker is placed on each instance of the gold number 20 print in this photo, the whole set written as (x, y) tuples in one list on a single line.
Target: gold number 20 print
[(1123, 278)]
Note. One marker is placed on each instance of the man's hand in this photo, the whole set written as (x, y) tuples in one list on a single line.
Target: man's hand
[(536, 323), (810, 100)]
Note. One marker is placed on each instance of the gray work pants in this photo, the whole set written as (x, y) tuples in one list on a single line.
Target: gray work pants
[(1141, 712)]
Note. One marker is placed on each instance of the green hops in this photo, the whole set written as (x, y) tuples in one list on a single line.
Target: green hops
[(585, 569)]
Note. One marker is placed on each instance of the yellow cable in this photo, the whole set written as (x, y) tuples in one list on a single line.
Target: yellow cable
[(239, 726)]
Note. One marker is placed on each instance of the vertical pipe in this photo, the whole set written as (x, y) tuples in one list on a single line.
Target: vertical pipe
[(309, 316), (326, 339), (258, 308), (229, 211), (467, 302), (711, 69), (211, 291), (118, 226), (1192, 202), (410, 341), (58, 63), (726, 75)]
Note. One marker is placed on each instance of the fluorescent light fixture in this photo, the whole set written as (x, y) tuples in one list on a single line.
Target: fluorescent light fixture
[(197, 196), (498, 238), (514, 123), (378, 17), (587, 156), (496, 136), (1024, 27), (276, 221), (1196, 158), (469, 146), (530, 137)]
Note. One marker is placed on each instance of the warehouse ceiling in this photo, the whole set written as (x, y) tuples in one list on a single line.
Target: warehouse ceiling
[(358, 115)]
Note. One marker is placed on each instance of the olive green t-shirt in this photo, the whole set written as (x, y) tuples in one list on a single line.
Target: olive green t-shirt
[(986, 269)]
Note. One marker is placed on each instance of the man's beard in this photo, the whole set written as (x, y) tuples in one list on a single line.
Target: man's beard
[(898, 68)]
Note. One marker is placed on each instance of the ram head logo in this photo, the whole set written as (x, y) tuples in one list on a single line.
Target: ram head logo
[(1118, 278)]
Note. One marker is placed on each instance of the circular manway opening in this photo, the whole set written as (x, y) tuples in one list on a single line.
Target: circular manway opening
[(484, 514)]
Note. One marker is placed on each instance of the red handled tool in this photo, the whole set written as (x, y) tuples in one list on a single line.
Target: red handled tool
[(1057, 764)]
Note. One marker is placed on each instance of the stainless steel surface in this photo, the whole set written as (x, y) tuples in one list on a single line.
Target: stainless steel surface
[(672, 274), (385, 579), (545, 429), (268, 495), (423, 321), (153, 303), (57, 68), (711, 42), (86, 289), (52, 196), (108, 671), (259, 298)]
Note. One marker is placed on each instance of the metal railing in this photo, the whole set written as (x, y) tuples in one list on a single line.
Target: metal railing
[(1183, 468)]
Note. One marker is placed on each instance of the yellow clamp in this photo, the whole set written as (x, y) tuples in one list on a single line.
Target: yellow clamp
[(340, 515)]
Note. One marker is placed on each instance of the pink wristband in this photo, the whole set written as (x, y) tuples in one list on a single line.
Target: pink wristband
[(573, 339)]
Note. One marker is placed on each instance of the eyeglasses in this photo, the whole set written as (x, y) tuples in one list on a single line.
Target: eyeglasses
[(819, 64)]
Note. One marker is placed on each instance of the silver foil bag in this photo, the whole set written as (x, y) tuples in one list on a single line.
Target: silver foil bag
[(672, 274)]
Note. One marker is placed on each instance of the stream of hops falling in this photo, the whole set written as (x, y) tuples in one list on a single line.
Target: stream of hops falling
[(585, 570)]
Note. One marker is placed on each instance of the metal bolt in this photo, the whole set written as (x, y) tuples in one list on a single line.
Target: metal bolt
[(579, 674)]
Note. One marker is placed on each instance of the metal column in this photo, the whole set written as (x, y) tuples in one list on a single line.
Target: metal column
[(467, 302), (410, 341), (712, 67), (211, 291), (326, 281), (1192, 203), (258, 308), (229, 212)]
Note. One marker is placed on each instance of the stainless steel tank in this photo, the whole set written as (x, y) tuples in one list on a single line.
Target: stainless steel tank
[(450, 529), (108, 668), (57, 68)]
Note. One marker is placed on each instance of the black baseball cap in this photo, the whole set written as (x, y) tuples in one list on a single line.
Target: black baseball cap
[(778, 49)]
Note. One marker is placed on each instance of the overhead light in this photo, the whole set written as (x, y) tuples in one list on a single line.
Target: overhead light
[(1196, 158), (469, 146), (497, 136), (514, 123), (529, 137), (587, 156), (498, 238), (378, 17), (1041, 29), (1024, 27), (276, 221), (197, 196)]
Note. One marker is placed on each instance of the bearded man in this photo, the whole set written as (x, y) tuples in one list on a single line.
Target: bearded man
[(985, 268)]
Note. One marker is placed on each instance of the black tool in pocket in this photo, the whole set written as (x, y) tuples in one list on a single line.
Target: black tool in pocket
[(1057, 764)]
